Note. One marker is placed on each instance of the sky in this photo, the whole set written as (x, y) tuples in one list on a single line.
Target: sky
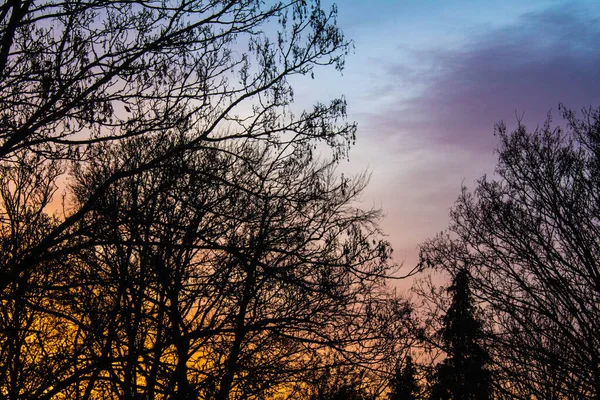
[(428, 80)]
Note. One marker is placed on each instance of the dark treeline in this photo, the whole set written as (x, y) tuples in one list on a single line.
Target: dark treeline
[(168, 232)]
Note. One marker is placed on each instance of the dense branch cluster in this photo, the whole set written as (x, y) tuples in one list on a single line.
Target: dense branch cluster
[(530, 241), (200, 249)]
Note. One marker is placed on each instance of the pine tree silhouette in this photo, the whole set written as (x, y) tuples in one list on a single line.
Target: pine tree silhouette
[(463, 374), (404, 383)]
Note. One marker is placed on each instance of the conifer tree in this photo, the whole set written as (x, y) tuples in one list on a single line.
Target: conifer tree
[(463, 374), (404, 383)]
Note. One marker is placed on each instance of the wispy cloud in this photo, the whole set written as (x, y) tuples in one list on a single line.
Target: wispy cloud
[(546, 58), (430, 126)]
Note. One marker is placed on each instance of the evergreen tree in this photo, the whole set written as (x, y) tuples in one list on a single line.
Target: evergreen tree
[(345, 384), (404, 383), (463, 374)]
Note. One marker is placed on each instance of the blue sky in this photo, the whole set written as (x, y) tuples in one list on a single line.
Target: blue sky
[(429, 79)]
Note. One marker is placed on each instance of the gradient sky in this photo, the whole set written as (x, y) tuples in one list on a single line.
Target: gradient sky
[(429, 79)]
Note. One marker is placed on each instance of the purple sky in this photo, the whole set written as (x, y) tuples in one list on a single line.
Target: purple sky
[(429, 80)]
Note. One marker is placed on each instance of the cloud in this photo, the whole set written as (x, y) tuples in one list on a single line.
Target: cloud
[(546, 58), (429, 127)]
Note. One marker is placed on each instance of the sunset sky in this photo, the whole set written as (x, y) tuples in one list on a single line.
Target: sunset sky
[(429, 79)]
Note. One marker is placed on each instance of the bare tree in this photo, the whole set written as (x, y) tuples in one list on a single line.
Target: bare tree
[(530, 239), (227, 271), (26, 188), (76, 74), (82, 72), (200, 250), (76, 80)]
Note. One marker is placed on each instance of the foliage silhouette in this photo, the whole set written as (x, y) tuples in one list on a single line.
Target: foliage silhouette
[(404, 384), (463, 374)]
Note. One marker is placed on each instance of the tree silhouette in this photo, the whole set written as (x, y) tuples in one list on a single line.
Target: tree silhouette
[(530, 238), (345, 383), (463, 374), (167, 246), (404, 384), (225, 272), (74, 76)]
